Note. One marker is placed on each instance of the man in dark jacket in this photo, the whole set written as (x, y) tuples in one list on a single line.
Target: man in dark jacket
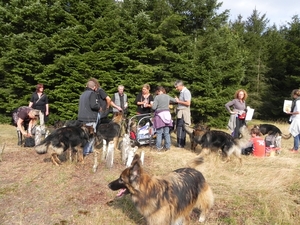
[(88, 111)]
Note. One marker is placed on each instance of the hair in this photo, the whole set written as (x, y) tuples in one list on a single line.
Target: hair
[(121, 86), (178, 83), (34, 112), (295, 92), (255, 131), (95, 81), (90, 84), (38, 86), (161, 88), (236, 94), (147, 86)]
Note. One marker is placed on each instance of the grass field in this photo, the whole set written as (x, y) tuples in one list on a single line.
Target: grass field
[(35, 192)]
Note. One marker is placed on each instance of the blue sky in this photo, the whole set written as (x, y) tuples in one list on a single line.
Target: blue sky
[(277, 11)]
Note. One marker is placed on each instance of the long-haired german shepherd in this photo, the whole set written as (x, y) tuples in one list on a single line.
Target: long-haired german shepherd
[(168, 199), (215, 140), (73, 138)]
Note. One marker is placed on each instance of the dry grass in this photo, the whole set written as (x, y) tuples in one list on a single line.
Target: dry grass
[(32, 191)]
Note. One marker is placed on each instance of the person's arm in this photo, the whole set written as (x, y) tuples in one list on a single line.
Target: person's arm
[(30, 126), (186, 103), (138, 100), (108, 102), (20, 128), (31, 101), (115, 106), (228, 105), (47, 110), (155, 103)]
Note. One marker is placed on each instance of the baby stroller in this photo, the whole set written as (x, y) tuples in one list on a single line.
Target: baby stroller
[(140, 128)]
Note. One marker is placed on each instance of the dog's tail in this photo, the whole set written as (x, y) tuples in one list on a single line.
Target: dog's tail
[(196, 162), (286, 136), (42, 148)]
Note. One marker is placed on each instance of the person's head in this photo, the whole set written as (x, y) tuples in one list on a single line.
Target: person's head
[(295, 93), (33, 114), (241, 94), (39, 87), (255, 132), (91, 84), (96, 83), (145, 88), (121, 89), (160, 90), (179, 85)]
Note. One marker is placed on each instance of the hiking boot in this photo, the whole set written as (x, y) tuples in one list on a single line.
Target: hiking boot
[(19, 137)]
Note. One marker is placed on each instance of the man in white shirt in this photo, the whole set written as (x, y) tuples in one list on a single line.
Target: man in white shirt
[(183, 112)]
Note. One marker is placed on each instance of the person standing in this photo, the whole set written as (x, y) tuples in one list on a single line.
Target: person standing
[(143, 100), (39, 101), (24, 118), (183, 112), (162, 120), (88, 111), (104, 101), (295, 120), (120, 101), (237, 109)]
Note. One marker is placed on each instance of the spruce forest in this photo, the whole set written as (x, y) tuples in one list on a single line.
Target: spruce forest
[(132, 42)]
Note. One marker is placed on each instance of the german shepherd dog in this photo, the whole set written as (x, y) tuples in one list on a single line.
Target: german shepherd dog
[(168, 199), (215, 140), (67, 123), (271, 129), (73, 138), (198, 131), (110, 131)]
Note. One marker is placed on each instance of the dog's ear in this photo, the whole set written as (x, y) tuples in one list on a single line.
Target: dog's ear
[(135, 169), (136, 157)]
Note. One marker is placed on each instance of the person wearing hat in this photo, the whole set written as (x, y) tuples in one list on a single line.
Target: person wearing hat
[(24, 118)]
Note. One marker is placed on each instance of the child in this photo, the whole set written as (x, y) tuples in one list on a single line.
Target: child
[(256, 144)]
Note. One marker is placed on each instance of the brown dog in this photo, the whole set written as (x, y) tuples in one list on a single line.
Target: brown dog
[(168, 199)]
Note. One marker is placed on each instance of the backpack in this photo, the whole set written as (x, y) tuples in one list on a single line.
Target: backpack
[(29, 142)]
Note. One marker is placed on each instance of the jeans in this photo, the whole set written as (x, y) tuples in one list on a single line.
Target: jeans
[(88, 148), (181, 133), (159, 133), (296, 142)]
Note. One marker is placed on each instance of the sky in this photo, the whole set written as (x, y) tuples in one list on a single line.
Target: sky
[(277, 11)]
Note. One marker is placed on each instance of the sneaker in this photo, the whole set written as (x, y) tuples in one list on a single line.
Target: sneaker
[(295, 151), (179, 146), (159, 149)]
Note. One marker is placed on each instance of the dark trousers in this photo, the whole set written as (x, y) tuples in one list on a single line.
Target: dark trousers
[(239, 124), (181, 133)]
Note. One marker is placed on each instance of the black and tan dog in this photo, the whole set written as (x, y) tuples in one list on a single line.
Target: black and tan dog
[(111, 131), (67, 123), (215, 140), (166, 199), (73, 138), (271, 129)]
